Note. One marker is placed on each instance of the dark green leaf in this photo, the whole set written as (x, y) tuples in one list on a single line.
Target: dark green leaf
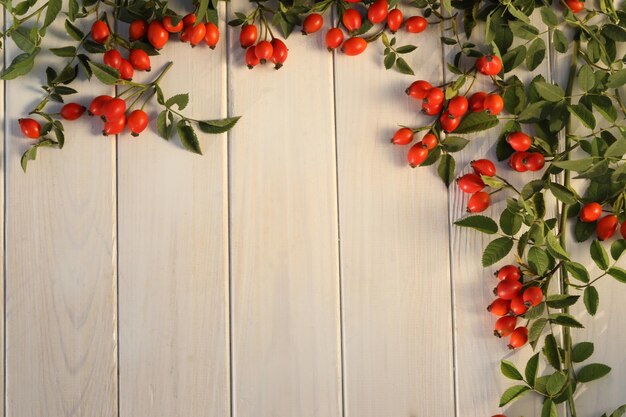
[(73, 31), (586, 78), (404, 67), (535, 331), (599, 255), (188, 137), (592, 372), (21, 65), (617, 79), (513, 393), (52, 11), (566, 320), (578, 271), (559, 301), (66, 51), (481, 223), (510, 371), (549, 92), (584, 115), (510, 222), (591, 299), (582, 351), (531, 369), (454, 143), (538, 260), (446, 168), (551, 352), (219, 125), (618, 273), (476, 122), (614, 32), (549, 409), (180, 100), (556, 382), (566, 195), (496, 250), (560, 41), (536, 54), (104, 73)]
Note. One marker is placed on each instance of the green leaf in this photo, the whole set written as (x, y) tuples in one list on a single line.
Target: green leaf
[(549, 409), (510, 371), (513, 59), (614, 32), (535, 331), (577, 165), (618, 273), (104, 73), (218, 125), (617, 149), (563, 194), (454, 143), (586, 78), (536, 54), (582, 351), (549, 92), (446, 168), (591, 299), (481, 223), (531, 369), (477, 122), (389, 60), (161, 123), (403, 66), (54, 7), (584, 115), (73, 31), (188, 137), (599, 255), (551, 352), (619, 412), (23, 39), (513, 393), (21, 65), (510, 222), (535, 312), (556, 382), (523, 30), (592, 372), (67, 51), (548, 16), (555, 247), (496, 250), (617, 79), (604, 106), (180, 100), (406, 49), (560, 41), (565, 320), (538, 260), (559, 301)]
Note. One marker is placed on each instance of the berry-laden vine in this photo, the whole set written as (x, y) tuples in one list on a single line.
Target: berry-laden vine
[(542, 122)]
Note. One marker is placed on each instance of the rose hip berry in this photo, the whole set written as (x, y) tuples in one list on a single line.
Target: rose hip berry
[(518, 161), (458, 106), (419, 89), (351, 20), (508, 289), (263, 50), (470, 183), (196, 34), (518, 307), (334, 38), (519, 141), (403, 136), (354, 46), (509, 272), (489, 65), (251, 59), (312, 23), (493, 104), (590, 212), (169, 25), (394, 20), (606, 227), (575, 5), (137, 29), (97, 104), (139, 59), (504, 326), (449, 122), (113, 109), (137, 122), (500, 307), (622, 230), (212, 35), (112, 58), (126, 70), (378, 11), (434, 96), (417, 154), (280, 53), (100, 31), (248, 36), (115, 126), (429, 141), (157, 35), (535, 161), (483, 167), (478, 202), (415, 24), (519, 337), (72, 111), (532, 296), (30, 128), (431, 109)]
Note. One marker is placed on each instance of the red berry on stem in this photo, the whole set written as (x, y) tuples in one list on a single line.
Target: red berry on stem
[(483, 167), (432, 110), (535, 161), (470, 183), (196, 34), (248, 36), (354, 46), (606, 227), (517, 306), (137, 121), (30, 128), (139, 59), (500, 307), (519, 337), (189, 20), (449, 123), (126, 70), (212, 34), (519, 141), (419, 89), (100, 31), (403, 136), (415, 24), (417, 154), (504, 326), (458, 106), (157, 35), (493, 104), (430, 141), (251, 59), (113, 109), (532, 296), (477, 102), (169, 25), (489, 65), (622, 230), (115, 126), (434, 96), (377, 12), (590, 212), (137, 29), (72, 111), (334, 38), (508, 289), (112, 58), (518, 161), (352, 20), (509, 272), (312, 23), (263, 50), (97, 104), (394, 20), (478, 202), (575, 5), (280, 53)]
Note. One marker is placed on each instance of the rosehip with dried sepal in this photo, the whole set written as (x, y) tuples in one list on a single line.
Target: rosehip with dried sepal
[(518, 161), (431, 109), (418, 89), (532, 296), (100, 32), (590, 212), (193, 34), (483, 167), (212, 34), (478, 202), (457, 106), (517, 306), (251, 58), (334, 39), (606, 227), (137, 121), (519, 141), (434, 96), (137, 29), (417, 154), (113, 109), (30, 128), (112, 58), (263, 50), (312, 23), (72, 111), (248, 36), (139, 59), (354, 46), (489, 65), (535, 161), (519, 337), (508, 289), (500, 307), (470, 183), (493, 104), (504, 326), (416, 24), (351, 20), (377, 11), (430, 141), (509, 272), (97, 104), (449, 122), (403, 136), (279, 53), (477, 102), (115, 126), (394, 20)]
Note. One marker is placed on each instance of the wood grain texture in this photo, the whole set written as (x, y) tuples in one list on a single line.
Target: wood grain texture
[(173, 218), (478, 353), (394, 250), (283, 229), (60, 269)]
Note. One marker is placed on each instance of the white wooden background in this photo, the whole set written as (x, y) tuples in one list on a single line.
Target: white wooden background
[(298, 269)]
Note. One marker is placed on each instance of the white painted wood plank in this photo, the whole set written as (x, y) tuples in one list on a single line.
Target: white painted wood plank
[(173, 219), (60, 269), (394, 243), (478, 353), (284, 250), (2, 218)]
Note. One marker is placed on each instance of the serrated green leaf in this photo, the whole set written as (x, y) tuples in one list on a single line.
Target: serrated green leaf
[(551, 351), (549, 409), (496, 250), (617, 79), (218, 125), (188, 137), (591, 299), (586, 78), (403, 66), (510, 371), (52, 11), (549, 92), (180, 100), (454, 143), (563, 194), (538, 260), (582, 351), (599, 255), (618, 273), (534, 332), (556, 382), (555, 247), (531, 369), (592, 372), (104, 73), (566, 320), (559, 301), (536, 54), (476, 122), (513, 393)]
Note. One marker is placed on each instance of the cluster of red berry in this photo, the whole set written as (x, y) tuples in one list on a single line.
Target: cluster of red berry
[(263, 51), (514, 299), (352, 20), (521, 160), (473, 184), (606, 226), (157, 32)]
